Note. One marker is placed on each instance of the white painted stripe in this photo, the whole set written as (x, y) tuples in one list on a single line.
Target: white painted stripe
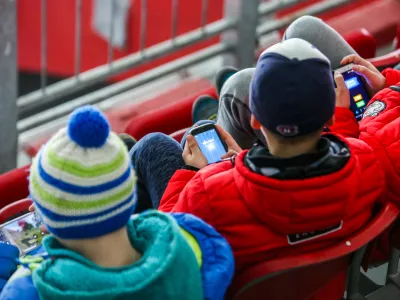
[(57, 224), (72, 179)]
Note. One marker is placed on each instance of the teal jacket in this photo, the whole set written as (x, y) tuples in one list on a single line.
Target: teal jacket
[(189, 261)]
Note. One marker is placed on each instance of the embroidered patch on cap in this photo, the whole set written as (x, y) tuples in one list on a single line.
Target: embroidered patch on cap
[(298, 238), (287, 130), (374, 109)]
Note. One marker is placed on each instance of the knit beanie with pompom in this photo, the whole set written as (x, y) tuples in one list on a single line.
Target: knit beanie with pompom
[(82, 181)]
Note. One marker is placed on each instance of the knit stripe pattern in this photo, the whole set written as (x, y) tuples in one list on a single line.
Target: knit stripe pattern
[(83, 192)]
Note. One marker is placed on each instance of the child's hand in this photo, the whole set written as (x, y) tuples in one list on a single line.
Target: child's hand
[(192, 154), (342, 92), (233, 147), (375, 80)]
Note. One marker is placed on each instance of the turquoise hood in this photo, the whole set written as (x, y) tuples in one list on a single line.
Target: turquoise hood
[(167, 270)]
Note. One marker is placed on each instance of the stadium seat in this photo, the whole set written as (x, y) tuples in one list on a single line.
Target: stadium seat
[(178, 135), (310, 276), (388, 60), (362, 42), (166, 120), (396, 43), (380, 18), (14, 186), (132, 117), (14, 210)]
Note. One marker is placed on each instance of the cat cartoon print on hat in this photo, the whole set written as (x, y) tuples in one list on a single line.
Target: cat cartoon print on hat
[(292, 92), (82, 181)]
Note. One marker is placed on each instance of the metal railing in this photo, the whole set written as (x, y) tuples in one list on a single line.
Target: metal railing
[(240, 28), (282, 23), (29, 104)]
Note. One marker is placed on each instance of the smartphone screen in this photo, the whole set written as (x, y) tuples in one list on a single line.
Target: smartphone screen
[(209, 143), (23, 232), (359, 97)]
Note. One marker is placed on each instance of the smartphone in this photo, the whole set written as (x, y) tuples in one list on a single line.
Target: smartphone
[(210, 142), (359, 97), (23, 232)]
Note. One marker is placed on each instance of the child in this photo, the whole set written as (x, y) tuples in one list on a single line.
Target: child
[(232, 86), (83, 186), (234, 111), (302, 192), (380, 125)]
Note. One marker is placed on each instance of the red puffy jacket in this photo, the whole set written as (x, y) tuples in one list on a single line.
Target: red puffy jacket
[(260, 215), (380, 129)]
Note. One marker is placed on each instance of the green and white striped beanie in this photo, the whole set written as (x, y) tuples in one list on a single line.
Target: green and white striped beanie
[(82, 181)]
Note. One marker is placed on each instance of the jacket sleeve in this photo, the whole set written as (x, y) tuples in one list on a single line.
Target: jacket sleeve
[(215, 258), (345, 123), (392, 76), (9, 255), (175, 186), (20, 285), (187, 194), (379, 128)]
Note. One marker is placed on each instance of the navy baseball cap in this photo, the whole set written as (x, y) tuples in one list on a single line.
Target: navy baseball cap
[(292, 91)]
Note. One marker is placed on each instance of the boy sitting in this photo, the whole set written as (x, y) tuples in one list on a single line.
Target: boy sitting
[(380, 124), (302, 192), (84, 189)]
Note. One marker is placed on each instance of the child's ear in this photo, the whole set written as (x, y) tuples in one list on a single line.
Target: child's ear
[(331, 121), (254, 123)]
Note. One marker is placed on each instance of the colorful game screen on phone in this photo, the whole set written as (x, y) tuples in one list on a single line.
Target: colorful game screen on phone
[(210, 145), (358, 93), (23, 232)]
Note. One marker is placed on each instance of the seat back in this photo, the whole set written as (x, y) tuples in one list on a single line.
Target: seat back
[(362, 42), (166, 119), (299, 284), (14, 185), (14, 210), (178, 135), (396, 42), (317, 275), (385, 61)]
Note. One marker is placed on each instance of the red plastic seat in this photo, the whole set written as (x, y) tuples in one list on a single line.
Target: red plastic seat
[(397, 38), (167, 120), (14, 210), (178, 135), (14, 185), (308, 276), (388, 60), (380, 18), (129, 115), (362, 42)]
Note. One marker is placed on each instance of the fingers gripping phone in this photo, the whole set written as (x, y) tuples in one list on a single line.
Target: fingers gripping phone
[(210, 142), (23, 232), (359, 97)]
